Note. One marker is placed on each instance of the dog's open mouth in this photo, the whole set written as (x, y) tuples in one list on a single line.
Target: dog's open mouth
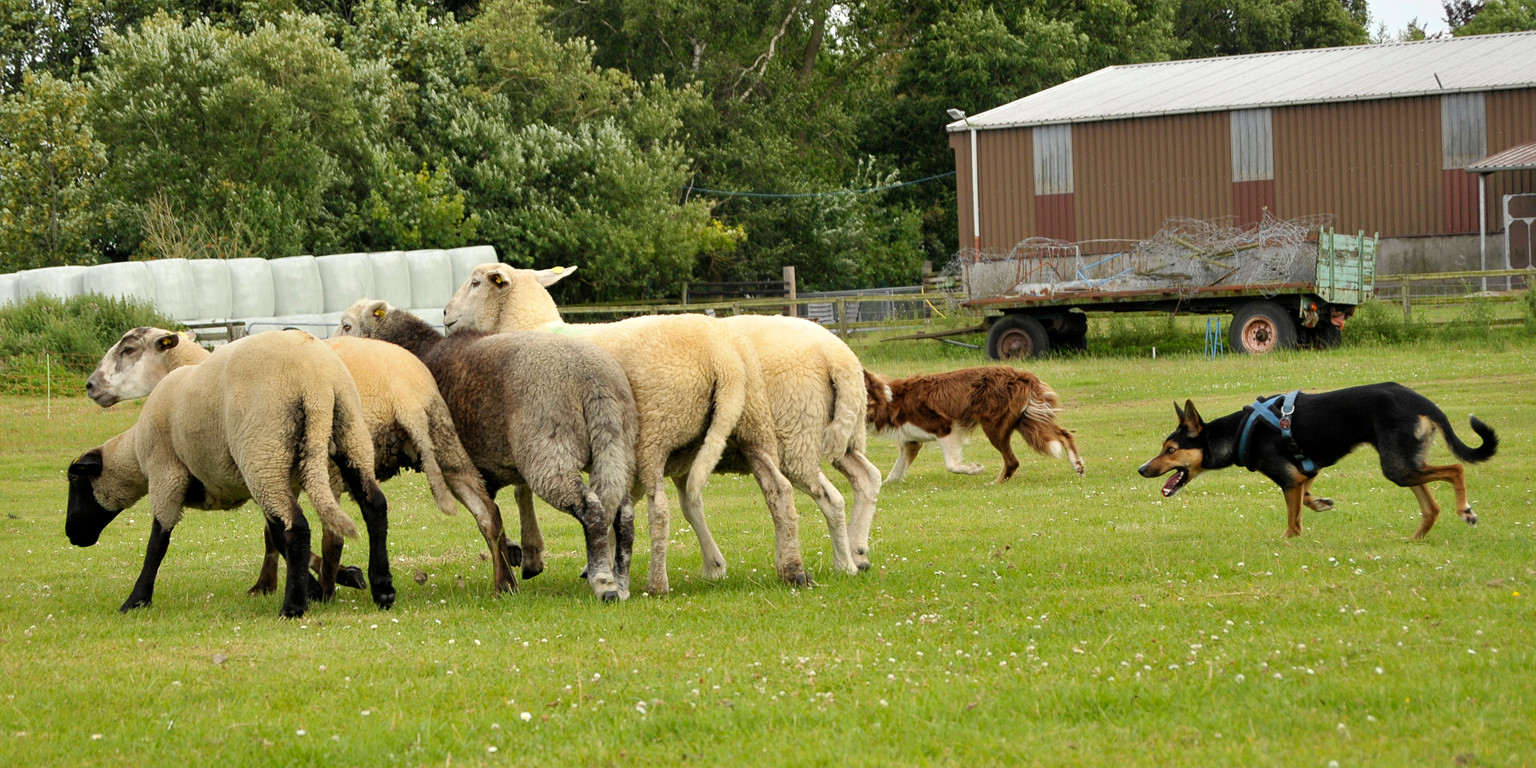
[(1175, 482)]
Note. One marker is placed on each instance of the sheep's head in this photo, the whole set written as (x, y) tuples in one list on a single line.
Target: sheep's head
[(136, 363), (363, 316), (103, 482), (497, 298)]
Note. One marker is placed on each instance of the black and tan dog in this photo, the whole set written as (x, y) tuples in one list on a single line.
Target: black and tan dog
[(1290, 437)]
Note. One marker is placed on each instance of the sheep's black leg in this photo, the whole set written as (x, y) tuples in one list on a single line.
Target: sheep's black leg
[(266, 580), (144, 588), (376, 517), (624, 544), (296, 544)]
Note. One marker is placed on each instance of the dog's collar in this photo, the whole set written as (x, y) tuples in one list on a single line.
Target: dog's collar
[(1265, 411)]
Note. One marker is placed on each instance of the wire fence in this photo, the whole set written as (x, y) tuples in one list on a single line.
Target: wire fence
[(46, 374)]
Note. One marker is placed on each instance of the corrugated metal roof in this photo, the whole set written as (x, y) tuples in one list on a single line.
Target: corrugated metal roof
[(1263, 80), (1516, 158)]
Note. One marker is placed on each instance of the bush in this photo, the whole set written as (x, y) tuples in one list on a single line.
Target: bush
[(78, 330)]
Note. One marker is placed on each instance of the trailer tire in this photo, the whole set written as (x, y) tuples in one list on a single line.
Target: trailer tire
[(1260, 327), (1017, 337), (1326, 336)]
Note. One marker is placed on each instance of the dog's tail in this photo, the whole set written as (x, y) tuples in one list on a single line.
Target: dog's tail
[(1465, 452), (1032, 407)]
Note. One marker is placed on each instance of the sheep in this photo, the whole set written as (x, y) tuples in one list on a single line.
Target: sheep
[(256, 420), (682, 368), (817, 393), (533, 411), (405, 415)]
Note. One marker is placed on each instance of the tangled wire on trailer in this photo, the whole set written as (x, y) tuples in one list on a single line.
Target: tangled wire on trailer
[(1184, 253)]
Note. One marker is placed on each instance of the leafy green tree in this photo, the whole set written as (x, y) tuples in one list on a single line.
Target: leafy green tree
[(1233, 27), (255, 131), (1499, 16), (49, 163)]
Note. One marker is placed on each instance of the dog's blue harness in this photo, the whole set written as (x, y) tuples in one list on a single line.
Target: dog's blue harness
[(1265, 411)]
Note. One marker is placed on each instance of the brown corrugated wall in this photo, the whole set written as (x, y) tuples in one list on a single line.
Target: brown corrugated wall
[(1511, 122), (1006, 184), (1133, 174), (1374, 165)]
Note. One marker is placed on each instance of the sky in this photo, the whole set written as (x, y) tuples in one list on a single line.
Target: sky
[(1397, 13)]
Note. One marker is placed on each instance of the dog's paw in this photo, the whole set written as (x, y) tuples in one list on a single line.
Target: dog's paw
[(1321, 505), (971, 468), (1469, 516)]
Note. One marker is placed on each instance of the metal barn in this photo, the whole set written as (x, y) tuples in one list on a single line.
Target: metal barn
[(1379, 136)]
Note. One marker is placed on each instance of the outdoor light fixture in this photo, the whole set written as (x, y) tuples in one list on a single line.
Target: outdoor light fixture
[(959, 114)]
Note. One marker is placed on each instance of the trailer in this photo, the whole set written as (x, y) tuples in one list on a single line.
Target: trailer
[(1285, 284)]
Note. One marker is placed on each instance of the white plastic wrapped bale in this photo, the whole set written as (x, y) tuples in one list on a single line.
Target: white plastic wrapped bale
[(7, 289), (432, 282), (58, 282), (175, 290), (392, 278), (251, 291), (344, 278), (296, 287), (213, 288), (465, 260), (321, 325), (121, 280)]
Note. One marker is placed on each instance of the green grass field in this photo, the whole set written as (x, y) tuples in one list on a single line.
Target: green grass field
[(1054, 620)]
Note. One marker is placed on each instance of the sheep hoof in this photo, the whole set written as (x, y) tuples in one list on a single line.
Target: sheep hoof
[(351, 576), (133, 602), (514, 554), (293, 611), (261, 588), (530, 571), (384, 596)]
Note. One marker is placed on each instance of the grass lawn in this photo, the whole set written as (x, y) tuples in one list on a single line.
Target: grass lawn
[(1054, 620)]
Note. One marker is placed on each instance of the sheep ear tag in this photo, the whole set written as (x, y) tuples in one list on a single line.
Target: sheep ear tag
[(379, 312), (167, 341), (498, 279)]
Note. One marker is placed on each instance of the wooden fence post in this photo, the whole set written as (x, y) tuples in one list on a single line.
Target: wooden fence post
[(842, 317), (789, 290)]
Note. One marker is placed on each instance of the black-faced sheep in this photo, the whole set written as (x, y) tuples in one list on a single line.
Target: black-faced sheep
[(684, 369), (409, 422), (256, 420), (533, 410)]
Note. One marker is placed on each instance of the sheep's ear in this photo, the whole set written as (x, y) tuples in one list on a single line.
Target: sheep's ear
[(379, 311), (88, 465), (167, 341), (548, 277), (496, 279)]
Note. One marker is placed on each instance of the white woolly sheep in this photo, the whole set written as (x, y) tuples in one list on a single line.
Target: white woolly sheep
[(682, 368), (405, 415), (816, 389), (534, 410), (257, 419)]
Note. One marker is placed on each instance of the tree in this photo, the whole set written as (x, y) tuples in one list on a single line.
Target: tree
[(49, 162), (254, 132), (1233, 27), (1499, 16)]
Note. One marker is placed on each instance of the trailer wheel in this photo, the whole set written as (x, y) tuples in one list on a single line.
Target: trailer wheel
[(1326, 335), (1259, 327), (1016, 337)]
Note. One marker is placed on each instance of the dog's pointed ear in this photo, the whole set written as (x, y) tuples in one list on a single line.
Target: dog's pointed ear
[(1178, 413), (1190, 419)]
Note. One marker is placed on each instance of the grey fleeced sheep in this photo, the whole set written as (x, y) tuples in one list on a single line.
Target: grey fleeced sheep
[(409, 422), (533, 410), (683, 370), (256, 420)]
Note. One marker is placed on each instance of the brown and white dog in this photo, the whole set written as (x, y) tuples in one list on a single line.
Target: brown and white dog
[(945, 407)]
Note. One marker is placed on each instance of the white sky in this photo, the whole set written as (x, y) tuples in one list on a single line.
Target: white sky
[(1397, 13)]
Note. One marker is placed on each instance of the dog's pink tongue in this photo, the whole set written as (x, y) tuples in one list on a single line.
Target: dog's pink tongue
[(1173, 482)]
